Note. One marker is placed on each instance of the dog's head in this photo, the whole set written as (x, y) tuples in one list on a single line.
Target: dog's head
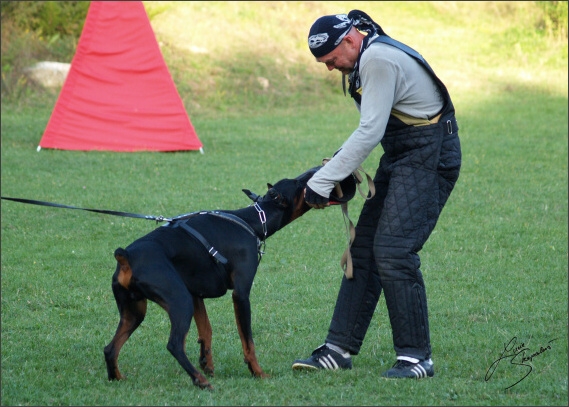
[(342, 193), (287, 194), (282, 194)]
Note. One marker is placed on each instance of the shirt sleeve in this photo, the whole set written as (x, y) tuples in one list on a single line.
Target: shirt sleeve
[(378, 78)]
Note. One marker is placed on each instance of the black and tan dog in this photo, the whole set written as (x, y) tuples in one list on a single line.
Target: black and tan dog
[(196, 256)]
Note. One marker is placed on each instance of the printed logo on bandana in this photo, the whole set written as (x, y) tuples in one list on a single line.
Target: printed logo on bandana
[(317, 40), (345, 21)]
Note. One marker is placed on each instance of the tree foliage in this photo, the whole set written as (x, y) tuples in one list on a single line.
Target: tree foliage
[(554, 17), (47, 18)]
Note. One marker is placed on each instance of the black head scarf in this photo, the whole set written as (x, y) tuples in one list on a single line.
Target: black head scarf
[(327, 32)]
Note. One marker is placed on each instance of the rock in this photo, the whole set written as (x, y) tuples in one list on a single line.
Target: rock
[(48, 74), (264, 82)]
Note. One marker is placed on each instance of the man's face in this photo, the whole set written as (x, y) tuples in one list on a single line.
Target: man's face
[(343, 58)]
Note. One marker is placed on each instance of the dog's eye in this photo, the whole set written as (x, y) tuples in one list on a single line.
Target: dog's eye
[(277, 197)]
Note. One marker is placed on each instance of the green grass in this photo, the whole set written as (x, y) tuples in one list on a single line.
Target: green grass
[(495, 266)]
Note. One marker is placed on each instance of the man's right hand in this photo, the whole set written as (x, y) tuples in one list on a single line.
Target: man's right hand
[(315, 200)]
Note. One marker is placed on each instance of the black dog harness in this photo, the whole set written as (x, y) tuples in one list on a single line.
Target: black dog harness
[(177, 222)]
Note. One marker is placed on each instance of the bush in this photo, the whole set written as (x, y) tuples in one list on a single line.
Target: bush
[(47, 19), (555, 18)]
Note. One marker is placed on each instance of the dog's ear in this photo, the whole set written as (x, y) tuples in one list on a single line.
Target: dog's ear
[(252, 196), (269, 186)]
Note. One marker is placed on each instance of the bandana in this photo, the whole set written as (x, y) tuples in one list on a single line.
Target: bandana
[(327, 32)]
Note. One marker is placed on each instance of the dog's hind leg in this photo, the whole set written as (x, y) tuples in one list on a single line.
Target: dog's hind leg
[(204, 335), (242, 307), (162, 284), (180, 308), (132, 312), (154, 278)]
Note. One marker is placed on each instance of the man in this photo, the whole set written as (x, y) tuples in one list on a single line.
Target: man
[(406, 108)]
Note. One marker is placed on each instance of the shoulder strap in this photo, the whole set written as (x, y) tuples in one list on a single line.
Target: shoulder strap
[(411, 52)]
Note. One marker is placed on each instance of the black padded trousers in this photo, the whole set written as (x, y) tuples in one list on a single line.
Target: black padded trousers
[(415, 177)]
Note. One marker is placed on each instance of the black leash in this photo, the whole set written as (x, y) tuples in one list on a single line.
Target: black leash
[(107, 212), (211, 250)]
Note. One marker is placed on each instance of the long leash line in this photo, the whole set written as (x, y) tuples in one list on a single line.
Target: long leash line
[(214, 253), (105, 211)]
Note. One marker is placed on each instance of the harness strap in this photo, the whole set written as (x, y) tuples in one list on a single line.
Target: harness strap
[(228, 217), (237, 220), (211, 250)]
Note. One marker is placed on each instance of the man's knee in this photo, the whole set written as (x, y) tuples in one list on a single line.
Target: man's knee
[(396, 259)]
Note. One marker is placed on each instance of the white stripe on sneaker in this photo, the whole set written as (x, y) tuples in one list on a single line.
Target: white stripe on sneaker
[(328, 362), (419, 371)]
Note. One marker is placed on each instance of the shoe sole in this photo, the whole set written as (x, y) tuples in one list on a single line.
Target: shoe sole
[(416, 376), (302, 366), (406, 377)]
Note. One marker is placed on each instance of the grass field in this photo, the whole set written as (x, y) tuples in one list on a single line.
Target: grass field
[(495, 266)]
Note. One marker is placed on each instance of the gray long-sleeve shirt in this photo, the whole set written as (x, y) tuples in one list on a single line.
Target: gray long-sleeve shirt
[(390, 79)]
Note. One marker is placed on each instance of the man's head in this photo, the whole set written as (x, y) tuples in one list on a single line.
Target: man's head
[(334, 41)]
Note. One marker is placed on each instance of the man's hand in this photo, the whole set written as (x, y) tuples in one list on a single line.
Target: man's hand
[(315, 200)]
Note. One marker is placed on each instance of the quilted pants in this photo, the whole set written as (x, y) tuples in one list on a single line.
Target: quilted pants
[(415, 177)]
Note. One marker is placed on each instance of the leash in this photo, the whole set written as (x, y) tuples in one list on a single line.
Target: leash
[(346, 260), (106, 212), (211, 250)]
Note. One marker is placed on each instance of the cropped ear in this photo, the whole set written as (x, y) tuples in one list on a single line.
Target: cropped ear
[(269, 186), (252, 196)]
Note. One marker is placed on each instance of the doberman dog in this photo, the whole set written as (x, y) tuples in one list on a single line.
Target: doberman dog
[(196, 256)]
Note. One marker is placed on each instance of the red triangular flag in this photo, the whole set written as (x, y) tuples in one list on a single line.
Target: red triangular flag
[(119, 94)]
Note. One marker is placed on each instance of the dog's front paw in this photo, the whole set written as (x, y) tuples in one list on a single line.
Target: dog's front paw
[(207, 370), (202, 382), (256, 370)]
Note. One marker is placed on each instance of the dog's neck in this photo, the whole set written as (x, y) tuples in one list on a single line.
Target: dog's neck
[(275, 217), (272, 217)]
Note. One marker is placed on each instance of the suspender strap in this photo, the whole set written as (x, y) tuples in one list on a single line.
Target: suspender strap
[(448, 106), (410, 51)]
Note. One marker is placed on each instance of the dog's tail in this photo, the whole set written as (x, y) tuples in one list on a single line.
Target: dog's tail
[(124, 275)]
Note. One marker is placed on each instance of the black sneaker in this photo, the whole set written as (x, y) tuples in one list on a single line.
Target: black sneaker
[(324, 358), (405, 369)]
